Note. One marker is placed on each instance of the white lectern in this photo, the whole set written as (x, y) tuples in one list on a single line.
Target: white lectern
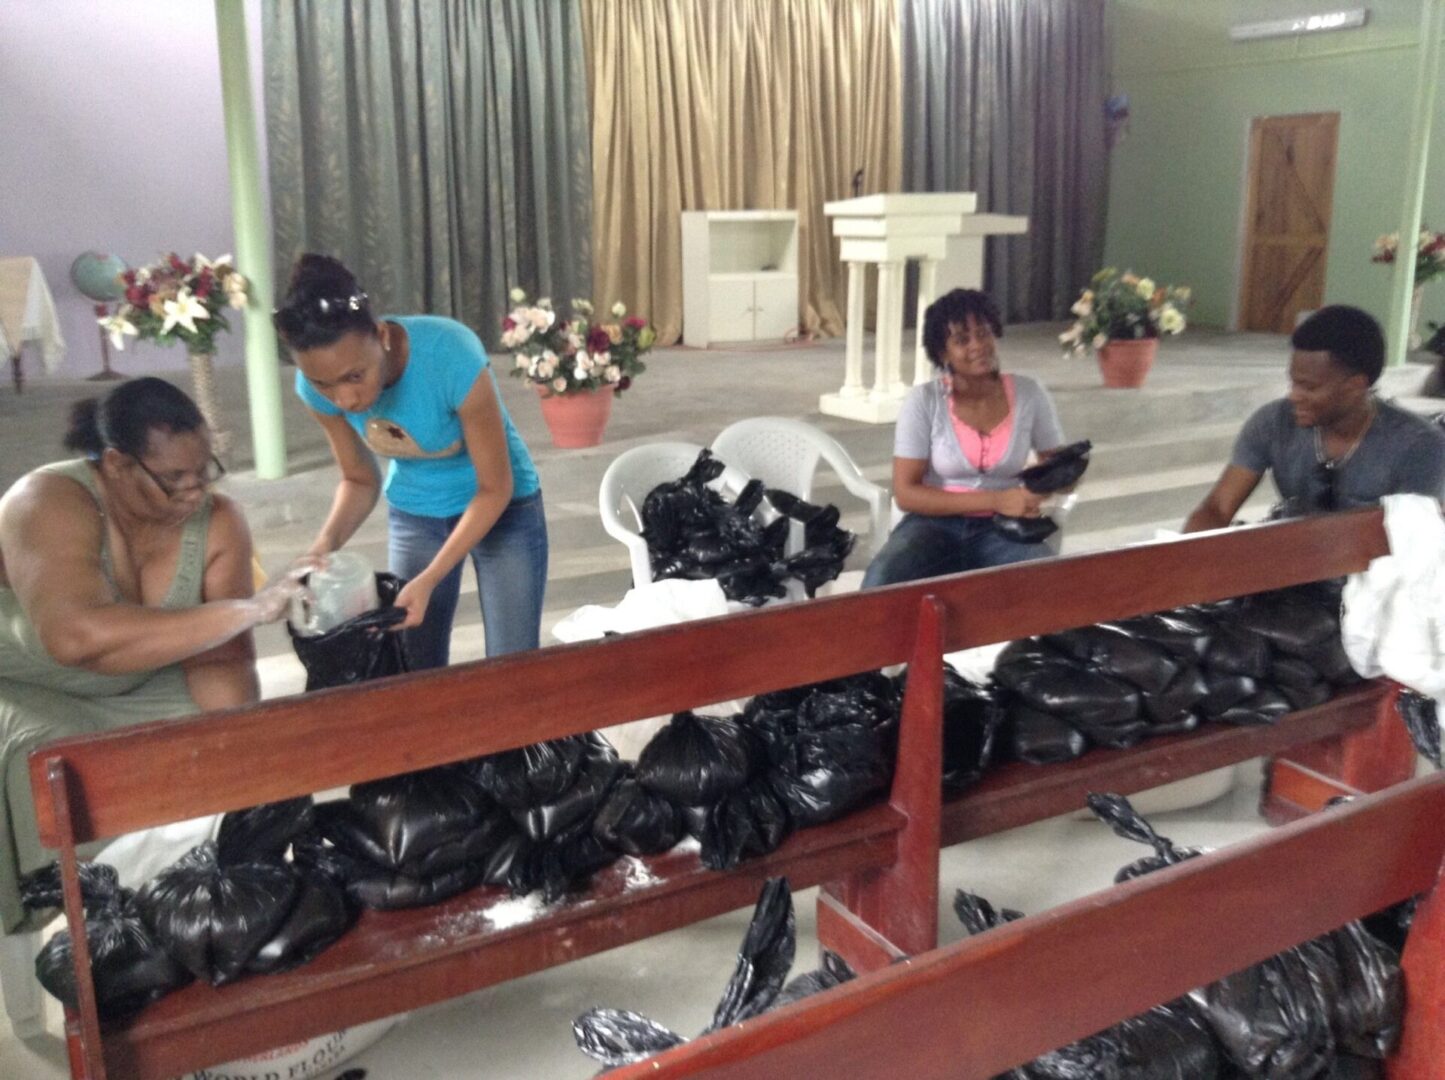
[(890, 229)]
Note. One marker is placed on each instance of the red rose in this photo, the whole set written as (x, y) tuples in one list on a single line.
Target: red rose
[(598, 341), (623, 383), (179, 265), (128, 277), (634, 322), (509, 323)]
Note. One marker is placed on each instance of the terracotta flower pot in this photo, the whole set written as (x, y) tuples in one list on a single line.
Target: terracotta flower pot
[(1124, 364), (576, 419)]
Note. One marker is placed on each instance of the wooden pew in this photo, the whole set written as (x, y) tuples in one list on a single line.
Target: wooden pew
[(880, 865), (976, 1008)]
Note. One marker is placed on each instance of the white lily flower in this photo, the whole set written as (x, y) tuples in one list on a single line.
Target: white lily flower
[(619, 309), (1082, 308), (1072, 335), (1145, 287), (1170, 320), (117, 326), (201, 262), (1100, 340), (183, 311), (614, 373), (541, 318), (545, 368), (559, 384), (581, 374)]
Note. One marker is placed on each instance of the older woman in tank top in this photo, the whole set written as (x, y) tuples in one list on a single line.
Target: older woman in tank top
[(961, 441), (125, 593)]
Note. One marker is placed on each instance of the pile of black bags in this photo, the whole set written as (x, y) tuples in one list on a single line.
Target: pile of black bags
[(1246, 661), (693, 532), (794, 758), (615, 1037), (228, 907), (1329, 1007)]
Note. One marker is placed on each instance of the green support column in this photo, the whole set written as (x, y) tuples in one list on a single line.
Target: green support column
[(253, 241), (1427, 85)]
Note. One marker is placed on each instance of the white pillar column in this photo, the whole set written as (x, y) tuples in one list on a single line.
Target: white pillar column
[(853, 364), (927, 287), (889, 331)]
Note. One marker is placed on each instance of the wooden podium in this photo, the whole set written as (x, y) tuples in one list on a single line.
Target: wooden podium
[(888, 230)]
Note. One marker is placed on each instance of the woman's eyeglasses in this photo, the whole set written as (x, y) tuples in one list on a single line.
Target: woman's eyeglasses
[(178, 486)]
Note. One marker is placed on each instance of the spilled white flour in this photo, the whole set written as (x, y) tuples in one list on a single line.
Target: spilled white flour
[(509, 913), (636, 874)]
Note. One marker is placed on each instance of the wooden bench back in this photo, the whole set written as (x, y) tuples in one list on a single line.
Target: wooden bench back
[(168, 771), (976, 1008)]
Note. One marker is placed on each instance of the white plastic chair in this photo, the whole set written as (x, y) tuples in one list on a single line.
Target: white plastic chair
[(784, 453), (633, 474)]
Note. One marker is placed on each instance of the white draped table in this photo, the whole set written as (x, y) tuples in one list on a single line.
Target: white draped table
[(27, 315)]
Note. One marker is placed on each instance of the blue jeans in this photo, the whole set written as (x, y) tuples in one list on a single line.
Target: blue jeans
[(924, 547), (511, 566)]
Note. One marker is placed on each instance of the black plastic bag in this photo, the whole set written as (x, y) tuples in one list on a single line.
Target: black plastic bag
[(320, 915), (377, 887), (398, 822), (360, 649), (531, 775), (1169, 1042), (263, 831), (747, 822), (1112, 651), (972, 719), (764, 958), (1421, 721), (1234, 651), (1041, 738), (1059, 470), (510, 865), (1106, 709), (99, 887), (128, 966), (1021, 530), (1270, 1019), (978, 915), (614, 1037), (1116, 812), (635, 821), (213, 918), (1264, 706), (1225, 692), (1295, 627), (1369, 1006), (1331, 661), (1178, 699), (1307, 697), (834, 971), (600, 770), (1185, 632), (696, 760)]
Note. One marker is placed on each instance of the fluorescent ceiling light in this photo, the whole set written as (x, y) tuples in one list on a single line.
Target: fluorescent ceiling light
[(1303, 24)]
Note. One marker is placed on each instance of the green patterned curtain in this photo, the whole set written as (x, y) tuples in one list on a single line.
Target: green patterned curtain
[(1006, 98), (441, 150)]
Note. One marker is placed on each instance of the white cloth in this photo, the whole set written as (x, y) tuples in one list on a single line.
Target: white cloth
[(1394, 612), (27, 312)]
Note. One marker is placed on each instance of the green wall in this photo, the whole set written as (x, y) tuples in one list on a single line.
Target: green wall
[(1177, 179)]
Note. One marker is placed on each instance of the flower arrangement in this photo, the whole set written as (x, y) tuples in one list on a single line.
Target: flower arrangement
[(1124, 307), (175, 300), (1429, 253), (578, 354)]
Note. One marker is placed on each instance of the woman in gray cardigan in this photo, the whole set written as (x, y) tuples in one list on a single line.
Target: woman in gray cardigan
[(961, 441)]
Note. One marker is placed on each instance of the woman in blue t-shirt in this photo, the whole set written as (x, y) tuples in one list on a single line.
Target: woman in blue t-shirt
[(418, 389)]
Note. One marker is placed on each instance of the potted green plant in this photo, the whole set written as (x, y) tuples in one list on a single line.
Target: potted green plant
[(577, 365), (1121, 317)]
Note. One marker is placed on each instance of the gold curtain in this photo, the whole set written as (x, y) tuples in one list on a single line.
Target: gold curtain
[(734, 104)]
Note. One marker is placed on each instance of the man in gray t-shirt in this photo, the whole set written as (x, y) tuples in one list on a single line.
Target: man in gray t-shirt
[(1330, 445)]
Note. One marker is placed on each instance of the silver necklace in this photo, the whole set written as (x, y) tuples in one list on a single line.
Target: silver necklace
[(1339, 462)]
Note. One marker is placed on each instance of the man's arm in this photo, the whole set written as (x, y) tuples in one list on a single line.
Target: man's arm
[(1217, 510)]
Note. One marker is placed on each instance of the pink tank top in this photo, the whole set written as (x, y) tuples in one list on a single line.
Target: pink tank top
[(980, 450)]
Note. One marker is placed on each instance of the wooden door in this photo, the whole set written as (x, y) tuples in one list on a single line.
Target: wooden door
[(1291, 193)]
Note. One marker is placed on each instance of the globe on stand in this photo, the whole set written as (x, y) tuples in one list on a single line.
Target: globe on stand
[(97, 276)]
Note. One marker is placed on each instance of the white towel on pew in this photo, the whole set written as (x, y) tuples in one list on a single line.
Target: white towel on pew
[(1394, 612)]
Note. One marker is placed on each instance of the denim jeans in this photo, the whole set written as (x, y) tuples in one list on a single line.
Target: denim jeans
[(511, 567), (924, 547)]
